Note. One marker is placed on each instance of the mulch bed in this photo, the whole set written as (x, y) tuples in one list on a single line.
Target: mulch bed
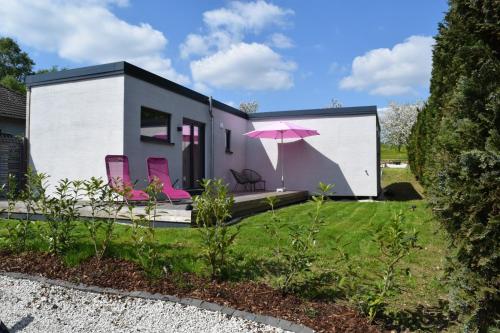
[(247, 296)]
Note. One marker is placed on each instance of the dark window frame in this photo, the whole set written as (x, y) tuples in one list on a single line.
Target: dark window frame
[(227, 136), (168, 126)]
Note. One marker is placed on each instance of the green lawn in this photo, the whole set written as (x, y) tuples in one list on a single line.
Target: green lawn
[(355, 221), (390, 153)]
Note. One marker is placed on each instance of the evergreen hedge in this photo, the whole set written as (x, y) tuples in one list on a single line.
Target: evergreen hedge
[(454, 151)]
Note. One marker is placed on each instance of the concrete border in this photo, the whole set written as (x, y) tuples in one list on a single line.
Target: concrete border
[(267, 320)]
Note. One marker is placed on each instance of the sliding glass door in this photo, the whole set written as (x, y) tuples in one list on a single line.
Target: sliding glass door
[(193, 153)]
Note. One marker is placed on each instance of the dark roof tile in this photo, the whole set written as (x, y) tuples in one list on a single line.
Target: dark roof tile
[(12, 104)]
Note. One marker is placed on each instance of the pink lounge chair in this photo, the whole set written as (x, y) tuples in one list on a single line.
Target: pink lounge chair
[(119, 177), (158, 167)]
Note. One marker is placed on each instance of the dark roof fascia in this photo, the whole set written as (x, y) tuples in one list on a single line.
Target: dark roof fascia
[(229, 109), (121, 68), (159, 81), (76, 74), (327, 112)]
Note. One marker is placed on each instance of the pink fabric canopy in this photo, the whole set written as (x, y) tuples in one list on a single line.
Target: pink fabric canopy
[(282, 130)]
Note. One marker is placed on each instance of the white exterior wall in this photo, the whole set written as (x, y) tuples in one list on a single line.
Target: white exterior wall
[(237, 159), (345, 154), (140, 93), (74, 125)]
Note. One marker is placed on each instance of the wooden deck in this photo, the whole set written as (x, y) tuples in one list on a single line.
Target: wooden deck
[(246, 204), (181, 215)]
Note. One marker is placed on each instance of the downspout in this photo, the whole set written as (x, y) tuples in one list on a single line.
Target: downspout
[(27, 130), (212, 138)]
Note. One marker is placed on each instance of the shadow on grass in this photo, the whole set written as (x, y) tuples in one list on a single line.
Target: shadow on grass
[(240, 268), (403, 191), (422, 319)]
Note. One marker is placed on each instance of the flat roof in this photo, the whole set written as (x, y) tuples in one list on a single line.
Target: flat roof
[(120, 68), (123, 67), (325, 112)]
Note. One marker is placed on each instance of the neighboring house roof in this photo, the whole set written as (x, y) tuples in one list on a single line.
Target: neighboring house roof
[(12, 104), (123, 67)]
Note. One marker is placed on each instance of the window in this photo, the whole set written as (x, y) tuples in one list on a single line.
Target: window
[(155, 125), (228, 141)]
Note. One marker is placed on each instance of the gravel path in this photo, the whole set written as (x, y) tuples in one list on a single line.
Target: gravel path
[(30, 306)]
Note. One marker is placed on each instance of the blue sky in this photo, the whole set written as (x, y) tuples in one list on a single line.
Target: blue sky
[(284, 54)]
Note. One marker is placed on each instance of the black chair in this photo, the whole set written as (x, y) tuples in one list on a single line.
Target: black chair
[(240, 180), (253, 178)]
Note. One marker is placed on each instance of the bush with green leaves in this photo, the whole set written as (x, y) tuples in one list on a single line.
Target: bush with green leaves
[(61, 210), (104, 205), (143, 227), (298, 255), (19, 233), (455, 152), (212, 211), (395, 241), (16, 233)]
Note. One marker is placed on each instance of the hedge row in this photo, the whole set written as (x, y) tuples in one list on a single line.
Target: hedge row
[(454, 151)]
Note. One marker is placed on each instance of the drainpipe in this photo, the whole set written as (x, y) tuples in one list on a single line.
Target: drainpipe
[(212, 137), (27, 129)]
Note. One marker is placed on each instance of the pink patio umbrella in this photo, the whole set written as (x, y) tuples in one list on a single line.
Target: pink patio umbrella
[(282, 130)]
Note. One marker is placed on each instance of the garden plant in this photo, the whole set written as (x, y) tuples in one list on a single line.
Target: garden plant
[(298, 255), (104, 204), (213, 211)]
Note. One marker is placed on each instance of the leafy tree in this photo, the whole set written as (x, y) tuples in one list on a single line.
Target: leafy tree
[(249, 107), (397, 122), (13, 61), (455, 151), (12, 83), (52, 69), (335, 103)]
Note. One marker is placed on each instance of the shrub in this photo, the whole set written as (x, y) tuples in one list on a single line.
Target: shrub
[(394, 243), (298, 257), (19, 233), (104, 206), (213, 210), (60, 210), (143, 227)]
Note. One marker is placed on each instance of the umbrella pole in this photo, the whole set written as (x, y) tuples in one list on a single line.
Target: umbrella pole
[(282, 164)]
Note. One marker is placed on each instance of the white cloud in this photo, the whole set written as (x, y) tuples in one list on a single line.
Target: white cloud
[(280, 41), (194, 44), (391, 72), (249, 16), (227, 26), (86, 32), (202, 88), (225, 60), (247, 66)]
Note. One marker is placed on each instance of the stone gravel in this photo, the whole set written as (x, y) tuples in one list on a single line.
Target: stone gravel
[(31, 306)]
